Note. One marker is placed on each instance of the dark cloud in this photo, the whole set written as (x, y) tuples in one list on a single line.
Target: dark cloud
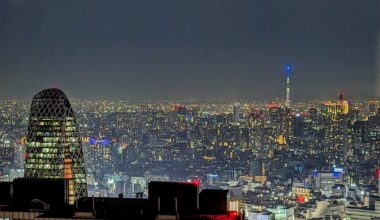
[(199, 49)]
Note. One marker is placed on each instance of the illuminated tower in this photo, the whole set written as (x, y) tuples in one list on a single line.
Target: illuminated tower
[(54, 149), (288, 72)]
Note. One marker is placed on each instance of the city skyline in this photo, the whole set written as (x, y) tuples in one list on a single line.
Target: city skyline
[(252, 159), (186, 110), (199, 50)]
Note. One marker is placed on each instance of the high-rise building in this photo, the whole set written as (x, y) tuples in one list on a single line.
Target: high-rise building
[(275, 113), (236, 111), (257, 168), (54, 149), (299, 125), (341, 106)]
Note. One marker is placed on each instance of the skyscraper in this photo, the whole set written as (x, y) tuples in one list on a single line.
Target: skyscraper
[(236, 111), (54, 149)]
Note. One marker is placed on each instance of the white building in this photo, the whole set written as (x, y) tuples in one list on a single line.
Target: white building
[(363, 213)]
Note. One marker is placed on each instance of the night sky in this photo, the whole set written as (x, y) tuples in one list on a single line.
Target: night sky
[(196, 49)]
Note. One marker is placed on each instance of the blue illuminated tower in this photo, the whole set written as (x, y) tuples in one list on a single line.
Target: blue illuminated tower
[(288, 72)]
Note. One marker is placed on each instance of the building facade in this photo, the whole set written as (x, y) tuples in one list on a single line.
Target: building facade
[(54, 149)]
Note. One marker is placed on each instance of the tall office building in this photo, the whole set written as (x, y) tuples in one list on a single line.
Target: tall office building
[(257, 168), (341, 106), (54, 149), (236, 111)]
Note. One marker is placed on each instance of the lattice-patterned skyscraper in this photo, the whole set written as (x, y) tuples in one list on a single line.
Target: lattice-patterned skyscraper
[(54, 149)]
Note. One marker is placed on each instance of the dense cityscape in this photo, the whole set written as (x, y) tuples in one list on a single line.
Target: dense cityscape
[(310, 159), (189, 110)]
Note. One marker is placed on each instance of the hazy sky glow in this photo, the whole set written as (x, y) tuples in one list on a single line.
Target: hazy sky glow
[(214, 49)]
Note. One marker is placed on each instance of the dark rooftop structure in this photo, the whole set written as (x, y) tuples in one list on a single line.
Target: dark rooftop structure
[(213, 201), (171, 198), (48, 198)]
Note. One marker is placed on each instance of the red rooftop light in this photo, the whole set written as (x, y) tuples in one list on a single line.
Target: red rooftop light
[(301, 199), (232, 213), (377, 173), (197, 182)]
